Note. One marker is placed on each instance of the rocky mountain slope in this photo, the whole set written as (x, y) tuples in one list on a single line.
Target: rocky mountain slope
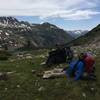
[(15, 34), (91, 38), (77, 33)]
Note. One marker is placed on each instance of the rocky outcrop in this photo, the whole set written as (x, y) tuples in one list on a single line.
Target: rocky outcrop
[(56, 72), (15, 34)]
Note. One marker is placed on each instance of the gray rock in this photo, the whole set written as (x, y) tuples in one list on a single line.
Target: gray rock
[(29, 57), (33, 71), (84, 95), (41, 89), (56, 72)]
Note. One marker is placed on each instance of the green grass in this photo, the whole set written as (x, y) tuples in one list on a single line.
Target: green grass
[(24, 85)]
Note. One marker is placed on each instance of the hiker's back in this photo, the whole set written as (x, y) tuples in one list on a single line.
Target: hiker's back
[(89, 63)]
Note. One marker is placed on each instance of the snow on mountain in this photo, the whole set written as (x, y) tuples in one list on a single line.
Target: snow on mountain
[(16, 34), (77, 33)]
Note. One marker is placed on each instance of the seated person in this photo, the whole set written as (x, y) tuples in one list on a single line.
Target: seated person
[(76, 69), (83, 68)]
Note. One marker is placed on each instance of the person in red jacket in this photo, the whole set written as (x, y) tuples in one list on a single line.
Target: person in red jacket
[(89, 64)]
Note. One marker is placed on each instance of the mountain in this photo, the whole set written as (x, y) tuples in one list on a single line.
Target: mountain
[(16, 34), (91, 38), (77, 33)]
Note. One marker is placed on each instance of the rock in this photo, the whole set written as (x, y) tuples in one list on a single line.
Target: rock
[(84, 95), (56, 72), (28, 54), (40, 56), (43, 63), (20, 56), (92, 89), (18, 86), (6, 89), (33, 71), (11, 72), (41, 89), (29, 57), (12, 60)]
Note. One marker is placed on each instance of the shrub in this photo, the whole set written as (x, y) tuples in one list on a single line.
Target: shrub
[(4, 55)]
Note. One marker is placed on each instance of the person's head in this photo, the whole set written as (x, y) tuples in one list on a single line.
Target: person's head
[(82, 56)]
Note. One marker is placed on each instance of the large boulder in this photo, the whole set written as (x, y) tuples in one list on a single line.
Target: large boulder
[(56, 72)]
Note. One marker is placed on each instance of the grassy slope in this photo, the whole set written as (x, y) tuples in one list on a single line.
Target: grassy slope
[(23, 85)]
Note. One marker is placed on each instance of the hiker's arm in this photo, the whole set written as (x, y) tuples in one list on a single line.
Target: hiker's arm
[(79, 71)]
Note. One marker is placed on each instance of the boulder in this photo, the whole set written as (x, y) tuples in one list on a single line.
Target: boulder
[(33, 71), (29, 57), (43, 63), (41, 89), (56, 72)]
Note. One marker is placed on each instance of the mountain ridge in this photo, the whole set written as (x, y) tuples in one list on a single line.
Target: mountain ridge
[(19, 34), (91, 38), (77, 33)]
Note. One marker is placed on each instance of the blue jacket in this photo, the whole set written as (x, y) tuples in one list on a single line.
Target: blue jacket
[(78, 70)]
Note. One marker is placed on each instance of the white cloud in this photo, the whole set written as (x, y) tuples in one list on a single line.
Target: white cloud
[(83, 9)]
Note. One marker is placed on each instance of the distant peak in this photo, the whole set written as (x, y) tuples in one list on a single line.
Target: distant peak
[(8, 20)]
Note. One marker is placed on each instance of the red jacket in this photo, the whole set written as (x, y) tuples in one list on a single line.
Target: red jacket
[(89, 63)]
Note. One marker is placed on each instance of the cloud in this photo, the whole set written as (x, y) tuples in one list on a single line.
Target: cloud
[(79, 15), (66, 9)]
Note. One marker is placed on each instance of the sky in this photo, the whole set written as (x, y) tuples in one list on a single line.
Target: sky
[(66, 14)]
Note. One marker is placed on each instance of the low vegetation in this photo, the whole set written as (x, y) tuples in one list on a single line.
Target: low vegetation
[(4, 54), (24, 84)]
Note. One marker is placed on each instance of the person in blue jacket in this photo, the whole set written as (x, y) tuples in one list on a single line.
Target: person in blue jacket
[(76, 69)]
